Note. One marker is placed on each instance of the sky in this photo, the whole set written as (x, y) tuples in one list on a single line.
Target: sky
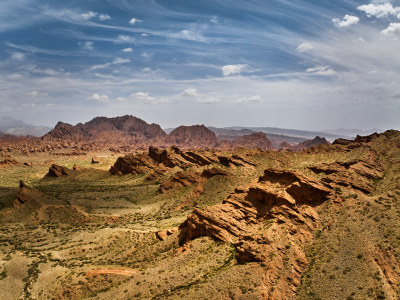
[(301, 64)]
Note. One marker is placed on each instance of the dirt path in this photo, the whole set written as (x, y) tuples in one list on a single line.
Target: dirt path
[(124, 272)]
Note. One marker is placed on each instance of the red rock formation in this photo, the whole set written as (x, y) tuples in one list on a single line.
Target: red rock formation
[(359, 139), (285, 147), (208, 173), (179, 179), (58, 171), (9, 161), (257, 140), (357, 174), (162, 235), (125, 129), (270, 222), (158, 161), (197, 136), (311, 143)]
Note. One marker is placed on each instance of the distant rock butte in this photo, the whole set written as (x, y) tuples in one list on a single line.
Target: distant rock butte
[(311, 143), (256, 140), (197, 136), (358, 139), (128, 133), (107, 130), (129, 130)]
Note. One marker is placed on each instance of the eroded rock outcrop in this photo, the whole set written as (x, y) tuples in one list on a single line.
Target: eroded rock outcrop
[(311, 143), (269, 222), (9, 161), (358, 140), (257, 140), (181, 179), (197, 136), (158, 161), (58, 171), (356, 174)]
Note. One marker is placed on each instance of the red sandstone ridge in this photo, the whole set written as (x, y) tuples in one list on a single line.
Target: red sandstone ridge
[(125, 129), (359, 139), (311, 143), (257, 140), (271, 221), (197, 136), (158, 161), (129, 130)]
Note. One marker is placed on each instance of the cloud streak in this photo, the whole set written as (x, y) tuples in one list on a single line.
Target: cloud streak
[(347, 21)]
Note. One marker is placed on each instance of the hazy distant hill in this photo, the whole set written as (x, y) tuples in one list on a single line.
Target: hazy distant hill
[(276, 139), (15, 127), (351, 132), (291, 132), (111, 130)]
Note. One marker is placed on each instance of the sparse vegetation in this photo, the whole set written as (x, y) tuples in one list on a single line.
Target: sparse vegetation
[(93, 235)]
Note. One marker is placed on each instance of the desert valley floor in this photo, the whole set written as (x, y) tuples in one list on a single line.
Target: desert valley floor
[(321, 223)]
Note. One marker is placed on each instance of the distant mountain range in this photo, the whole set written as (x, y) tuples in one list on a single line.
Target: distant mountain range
[(279, 132), (9, 125), (135, 133)]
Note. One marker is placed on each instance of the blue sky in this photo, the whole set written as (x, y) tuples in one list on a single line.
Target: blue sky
[(293, 64)]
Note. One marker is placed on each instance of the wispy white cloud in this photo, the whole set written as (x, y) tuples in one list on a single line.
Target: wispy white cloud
[(214, 20), (28, 105), (393, 30), (321, 70), (88, 15), (304, 47), (127, 50), (86, 45), (190, 93), (379, 10), (347, 21), (104, 17), (97, 67), (18, 56), (116, 61), (101, 98), (69, 15), (147, 55), (233, 69), (35, 94), (125, 39), (186, 34), (133, 21), (119, 60), (147, 99), (194, 94), (253, 99)]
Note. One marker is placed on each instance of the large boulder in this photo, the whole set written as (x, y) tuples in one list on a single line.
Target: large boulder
[(58, 171)]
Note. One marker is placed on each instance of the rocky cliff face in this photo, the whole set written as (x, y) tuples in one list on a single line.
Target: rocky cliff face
[(158, 161), (271, 222), (197, 136), (129, 130), (125, 129), (257, 140), (311, 143)]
